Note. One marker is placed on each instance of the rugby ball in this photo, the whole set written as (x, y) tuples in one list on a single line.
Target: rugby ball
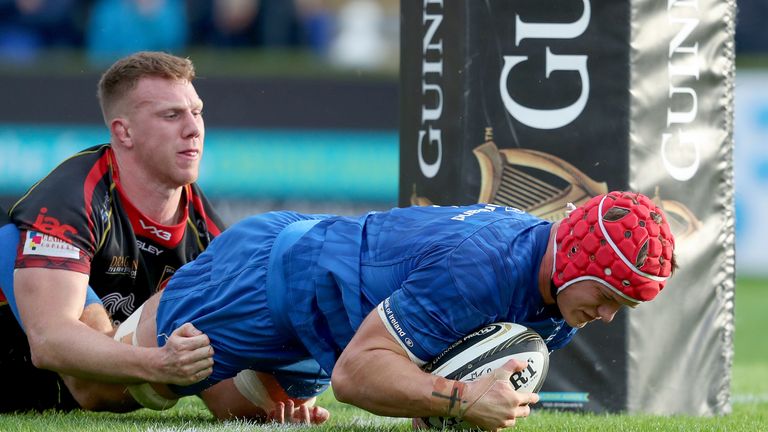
[(481, 352)]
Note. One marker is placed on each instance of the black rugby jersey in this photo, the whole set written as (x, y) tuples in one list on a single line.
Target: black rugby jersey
[(127, 255)]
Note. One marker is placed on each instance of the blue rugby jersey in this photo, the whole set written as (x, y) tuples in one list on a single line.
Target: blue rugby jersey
[(435, 273)]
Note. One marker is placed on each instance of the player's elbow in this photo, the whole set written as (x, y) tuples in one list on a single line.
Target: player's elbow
[(40, 352), (41, 359)]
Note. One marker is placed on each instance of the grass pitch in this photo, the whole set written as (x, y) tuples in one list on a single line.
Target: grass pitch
[(750, 400)]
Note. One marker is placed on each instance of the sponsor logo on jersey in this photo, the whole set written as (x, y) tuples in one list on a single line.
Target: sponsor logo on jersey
[(168, 271), (398, 329), (387, 314), (155, 231), (123, 265), (486, 209), (154, 250), (118, 305), (104, 209), (472, 212), (51, 225), (513, 209), (38, 243), (392, 320)]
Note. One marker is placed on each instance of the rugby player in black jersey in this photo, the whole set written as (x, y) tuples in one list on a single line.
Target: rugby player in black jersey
[(120, 217)]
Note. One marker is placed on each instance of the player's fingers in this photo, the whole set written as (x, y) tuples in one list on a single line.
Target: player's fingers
[(195, 366), (202, 354), (514, 365), (507, 369), (526, 399), (320, 415), (509, 423), (203, 373), (302, 415), (521, 411), (187, 330), (187, 378), (187, 349), (278, 414), (190, 343), (289, 410)]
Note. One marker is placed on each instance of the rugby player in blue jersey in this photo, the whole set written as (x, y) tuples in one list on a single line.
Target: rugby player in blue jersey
[(362, 302)]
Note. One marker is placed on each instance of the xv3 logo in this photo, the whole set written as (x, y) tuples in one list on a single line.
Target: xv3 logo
[(50, 225), (157, 232)]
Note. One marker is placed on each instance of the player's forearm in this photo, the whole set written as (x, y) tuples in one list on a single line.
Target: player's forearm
[(388, 384), (50, 303), (77, 350)]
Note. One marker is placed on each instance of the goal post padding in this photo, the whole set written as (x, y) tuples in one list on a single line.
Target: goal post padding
[(535, 104)]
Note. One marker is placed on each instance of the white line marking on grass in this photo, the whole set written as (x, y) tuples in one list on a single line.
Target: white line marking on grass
[(750, 398), (377, 421)]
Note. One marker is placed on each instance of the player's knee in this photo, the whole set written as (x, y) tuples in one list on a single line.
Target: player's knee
[(90, 402), (342, 391), (96, 317)]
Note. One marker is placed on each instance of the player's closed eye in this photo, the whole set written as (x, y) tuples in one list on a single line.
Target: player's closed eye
[(607, 297)]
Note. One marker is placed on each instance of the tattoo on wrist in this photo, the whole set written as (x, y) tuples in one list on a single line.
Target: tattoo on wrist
[(448, 396)]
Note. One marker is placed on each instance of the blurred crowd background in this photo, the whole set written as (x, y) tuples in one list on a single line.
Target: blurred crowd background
[(360, 33), (357, 33)]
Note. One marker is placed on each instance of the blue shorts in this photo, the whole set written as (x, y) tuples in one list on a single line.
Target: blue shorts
[(9, 241), (223, 293)]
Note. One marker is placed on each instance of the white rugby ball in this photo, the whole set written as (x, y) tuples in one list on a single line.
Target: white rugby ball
[(479, 353)]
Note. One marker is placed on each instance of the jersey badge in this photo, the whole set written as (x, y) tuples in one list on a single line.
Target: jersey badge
[(37, 243), (52, 226)]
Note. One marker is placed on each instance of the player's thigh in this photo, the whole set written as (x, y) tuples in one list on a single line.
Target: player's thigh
[(146, 330)]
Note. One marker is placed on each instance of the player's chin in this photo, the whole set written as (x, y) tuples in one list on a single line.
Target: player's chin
[(185, 176), (576, 322)]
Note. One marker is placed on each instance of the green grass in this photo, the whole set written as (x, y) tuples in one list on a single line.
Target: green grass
[(750, 401)]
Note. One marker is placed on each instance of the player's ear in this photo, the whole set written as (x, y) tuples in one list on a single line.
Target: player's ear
[(121, 132)]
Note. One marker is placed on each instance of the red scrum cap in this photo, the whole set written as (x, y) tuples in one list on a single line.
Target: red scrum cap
[(620, 239)]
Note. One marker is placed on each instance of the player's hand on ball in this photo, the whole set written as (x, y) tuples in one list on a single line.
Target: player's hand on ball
[(187, 357), (288, 412), (492, 402)]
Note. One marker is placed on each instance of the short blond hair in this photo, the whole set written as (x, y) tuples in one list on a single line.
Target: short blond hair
[(125, 73)]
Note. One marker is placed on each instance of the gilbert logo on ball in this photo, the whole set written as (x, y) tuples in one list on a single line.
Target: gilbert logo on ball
[(485, 350)]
